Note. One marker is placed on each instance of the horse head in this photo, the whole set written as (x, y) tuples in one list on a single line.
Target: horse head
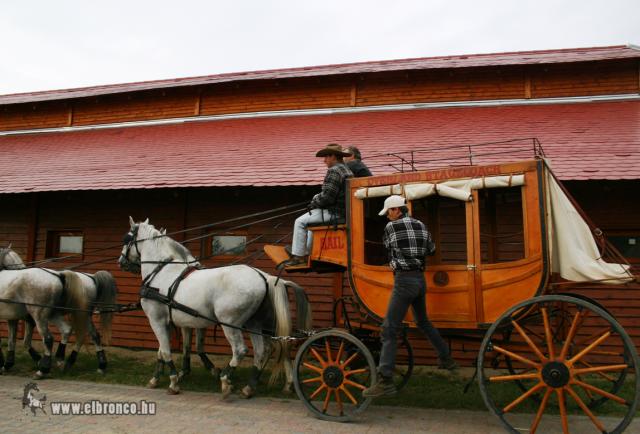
[(10, 260), (129, 259)]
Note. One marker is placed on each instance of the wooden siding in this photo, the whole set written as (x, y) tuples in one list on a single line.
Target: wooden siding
[(103, 218), (423, 86)]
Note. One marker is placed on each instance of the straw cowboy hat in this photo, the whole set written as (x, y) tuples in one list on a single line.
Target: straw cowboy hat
[(333, 148)]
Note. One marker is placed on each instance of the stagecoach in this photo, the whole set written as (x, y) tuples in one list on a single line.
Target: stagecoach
[(510, 245)]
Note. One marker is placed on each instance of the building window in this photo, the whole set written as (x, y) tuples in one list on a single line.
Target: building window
[(64, 243), (228, 245)]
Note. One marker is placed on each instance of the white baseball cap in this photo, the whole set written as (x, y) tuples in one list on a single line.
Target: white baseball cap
[(394, 201)]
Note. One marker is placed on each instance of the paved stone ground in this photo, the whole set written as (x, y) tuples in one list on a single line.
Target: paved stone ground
[(193, 412)]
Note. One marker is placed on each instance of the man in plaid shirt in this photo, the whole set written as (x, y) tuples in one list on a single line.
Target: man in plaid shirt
[(408, 242), (326, 206)]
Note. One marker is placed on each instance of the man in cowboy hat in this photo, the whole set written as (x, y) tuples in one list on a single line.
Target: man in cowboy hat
[(326, 206), (408, 242)]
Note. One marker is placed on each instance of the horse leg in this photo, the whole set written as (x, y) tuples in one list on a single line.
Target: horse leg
[(95, 338), (260, 357), (44, 365), (65, 332), (11, 350), (239, 350), (187, 337), (29, 324), (208, 365), (163, 334)]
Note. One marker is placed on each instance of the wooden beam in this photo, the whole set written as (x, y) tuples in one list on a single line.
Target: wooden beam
[(354, 94), (527, 85), (197, 110), (32, 228)]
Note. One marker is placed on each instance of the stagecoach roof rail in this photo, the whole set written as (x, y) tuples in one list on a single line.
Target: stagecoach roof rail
[(530, 145)]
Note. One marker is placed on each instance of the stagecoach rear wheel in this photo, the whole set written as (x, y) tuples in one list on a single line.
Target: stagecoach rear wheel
[(563, 356), (332, 368)]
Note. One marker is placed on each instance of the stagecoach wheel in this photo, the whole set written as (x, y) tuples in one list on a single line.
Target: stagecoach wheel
[(562, 354), (560, 320), (332, 368)]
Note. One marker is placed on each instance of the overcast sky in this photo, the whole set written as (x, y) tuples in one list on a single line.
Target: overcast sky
[(47, 45)]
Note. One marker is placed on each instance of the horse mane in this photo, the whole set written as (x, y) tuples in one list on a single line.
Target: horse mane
[(180, 251)]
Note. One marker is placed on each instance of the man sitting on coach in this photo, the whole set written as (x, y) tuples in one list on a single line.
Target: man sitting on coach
[(326, 206), (354, 162)]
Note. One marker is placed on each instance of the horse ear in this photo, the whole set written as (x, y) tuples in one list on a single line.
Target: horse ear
[(9, 246), (131, 222), (146, 222), (163, 231)]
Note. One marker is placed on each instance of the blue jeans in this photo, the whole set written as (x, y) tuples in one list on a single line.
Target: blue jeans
[(409, 290), (302, 239)]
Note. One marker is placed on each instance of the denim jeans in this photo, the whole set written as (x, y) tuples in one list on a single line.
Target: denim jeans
[(302, 239), (409, 290)]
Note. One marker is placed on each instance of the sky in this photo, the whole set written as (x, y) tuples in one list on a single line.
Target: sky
[(47, 45)]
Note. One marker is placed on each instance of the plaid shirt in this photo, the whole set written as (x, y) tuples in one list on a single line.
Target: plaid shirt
[(333, 189), (408, 242)]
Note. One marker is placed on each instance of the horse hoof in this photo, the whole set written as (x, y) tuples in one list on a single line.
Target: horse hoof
[(247, 392), (173, 391), (153, 383), (287, 389), (101, 371), (38, 375), (226, 389)]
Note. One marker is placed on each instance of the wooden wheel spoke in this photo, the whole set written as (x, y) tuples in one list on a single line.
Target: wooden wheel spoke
[(601, 374), (563, 411), (327, 347), (515, 377), (516, 356), (354, 384), (572, 332), (340, 350), (522, 397), (323, 363), (349, 360), (541, 409), (590, 347), (611, 396), (592, 336), (312, 380), (587, 391), (355, 371), (327, 398), (313, 367), (547, 332), (528, 340), (606, 368), (349, 395), (339, 401), (317, 391), (584, 408)]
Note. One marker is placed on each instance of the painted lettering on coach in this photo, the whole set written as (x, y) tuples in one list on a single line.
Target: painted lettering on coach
[(332, 242), (435, 175)]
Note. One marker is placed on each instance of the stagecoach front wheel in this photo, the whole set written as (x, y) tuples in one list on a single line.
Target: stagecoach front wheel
[(552, 357), (332, 368)]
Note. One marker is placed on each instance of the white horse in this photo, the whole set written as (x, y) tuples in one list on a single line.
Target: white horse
[(100, 290), (39, 294), (237, 296)]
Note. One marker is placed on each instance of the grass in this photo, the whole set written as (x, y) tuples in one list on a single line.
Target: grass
[(428, 388)]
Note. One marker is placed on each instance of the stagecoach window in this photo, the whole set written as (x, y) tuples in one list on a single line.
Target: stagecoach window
[(62, 243), (228, 245), (501, 224), (374, 251), (445, 218)]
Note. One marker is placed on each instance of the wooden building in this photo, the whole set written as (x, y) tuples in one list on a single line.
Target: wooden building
[(188, 152)]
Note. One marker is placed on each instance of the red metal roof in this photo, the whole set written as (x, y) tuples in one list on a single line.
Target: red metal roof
[(461, 61), (597, 140)]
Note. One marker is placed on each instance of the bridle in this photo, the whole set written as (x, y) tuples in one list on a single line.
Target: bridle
[(131, 241)]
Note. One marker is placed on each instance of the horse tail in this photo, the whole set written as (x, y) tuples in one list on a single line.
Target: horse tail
[(108, 290), (303, 307), (281, 348), (76, 301)]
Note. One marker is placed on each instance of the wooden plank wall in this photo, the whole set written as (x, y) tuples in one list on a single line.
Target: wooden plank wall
[(463, 84)]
